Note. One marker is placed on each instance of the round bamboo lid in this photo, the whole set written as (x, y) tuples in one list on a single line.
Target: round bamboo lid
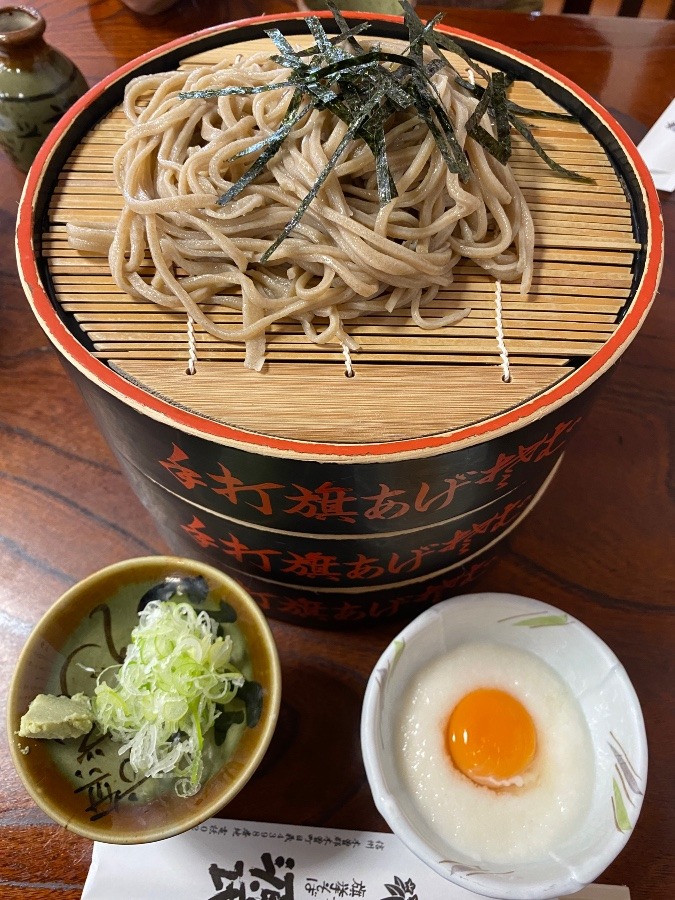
[(597, 260)]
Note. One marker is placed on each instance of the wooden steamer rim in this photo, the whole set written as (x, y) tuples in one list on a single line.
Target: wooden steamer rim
[(623, 154)]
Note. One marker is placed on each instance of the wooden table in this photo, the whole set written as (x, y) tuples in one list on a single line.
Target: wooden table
[(600, 544)]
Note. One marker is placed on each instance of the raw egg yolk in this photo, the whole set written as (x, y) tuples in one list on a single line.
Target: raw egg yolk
[(491, 737)]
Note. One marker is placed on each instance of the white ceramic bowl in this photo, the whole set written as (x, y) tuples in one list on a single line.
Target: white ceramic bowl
[(608, 702)]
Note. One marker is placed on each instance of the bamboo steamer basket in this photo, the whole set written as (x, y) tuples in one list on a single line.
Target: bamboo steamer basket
[(341, 501)]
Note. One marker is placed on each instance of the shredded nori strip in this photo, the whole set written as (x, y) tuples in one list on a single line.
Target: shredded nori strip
[(271, 145), (328, 168), (539, 113), (522, 128), (444, 134), (364, 87), (419, 32), (494, 99), (234, 91)]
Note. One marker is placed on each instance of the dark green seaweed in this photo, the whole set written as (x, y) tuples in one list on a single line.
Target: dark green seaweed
[(323, 175), (493, 99), (271, 145), (364, 87), (522, 128)]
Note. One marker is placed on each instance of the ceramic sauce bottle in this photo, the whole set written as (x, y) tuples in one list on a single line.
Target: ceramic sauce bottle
[(37, 84)]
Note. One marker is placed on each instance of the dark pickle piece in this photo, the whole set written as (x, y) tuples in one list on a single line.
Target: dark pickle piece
[(193, 587)]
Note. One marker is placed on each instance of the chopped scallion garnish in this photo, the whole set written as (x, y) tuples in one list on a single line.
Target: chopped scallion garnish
[(177, 678)]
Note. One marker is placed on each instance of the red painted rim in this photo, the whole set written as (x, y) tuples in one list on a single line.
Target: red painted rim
[(209, 429)]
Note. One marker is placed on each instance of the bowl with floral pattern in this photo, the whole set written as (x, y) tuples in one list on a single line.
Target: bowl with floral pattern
[(505, 746)]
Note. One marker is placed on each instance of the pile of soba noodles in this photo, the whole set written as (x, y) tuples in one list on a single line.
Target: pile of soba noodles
[(347, 256)]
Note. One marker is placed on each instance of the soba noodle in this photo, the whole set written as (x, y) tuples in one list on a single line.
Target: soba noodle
[(346, 257)]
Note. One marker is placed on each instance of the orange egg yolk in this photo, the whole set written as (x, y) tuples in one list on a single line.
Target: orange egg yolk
[(491, 738)]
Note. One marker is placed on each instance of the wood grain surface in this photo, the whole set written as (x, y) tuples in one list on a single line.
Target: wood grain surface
[(600, 544)]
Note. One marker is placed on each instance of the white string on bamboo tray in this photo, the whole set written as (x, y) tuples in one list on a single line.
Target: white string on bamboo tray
[(349, 369), (499, 329), (192, 346)]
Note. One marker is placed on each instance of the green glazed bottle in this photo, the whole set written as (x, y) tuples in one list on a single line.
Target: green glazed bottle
[(37, 84)]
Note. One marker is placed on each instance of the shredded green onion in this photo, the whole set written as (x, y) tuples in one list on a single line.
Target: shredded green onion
[(162, 700)]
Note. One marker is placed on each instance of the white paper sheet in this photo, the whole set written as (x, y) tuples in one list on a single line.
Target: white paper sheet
[(225, 859), (657, 148)]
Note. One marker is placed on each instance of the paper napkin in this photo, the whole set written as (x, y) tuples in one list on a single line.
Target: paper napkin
[(225, 859), (657, 148)]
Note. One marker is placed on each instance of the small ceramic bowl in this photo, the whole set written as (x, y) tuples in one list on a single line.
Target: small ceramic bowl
[(83, 783), (608, 703)]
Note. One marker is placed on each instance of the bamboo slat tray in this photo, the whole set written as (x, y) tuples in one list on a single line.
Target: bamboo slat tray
[(408, 381)]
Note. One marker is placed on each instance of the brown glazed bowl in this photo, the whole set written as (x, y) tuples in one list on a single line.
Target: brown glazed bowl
[(83, 783)]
